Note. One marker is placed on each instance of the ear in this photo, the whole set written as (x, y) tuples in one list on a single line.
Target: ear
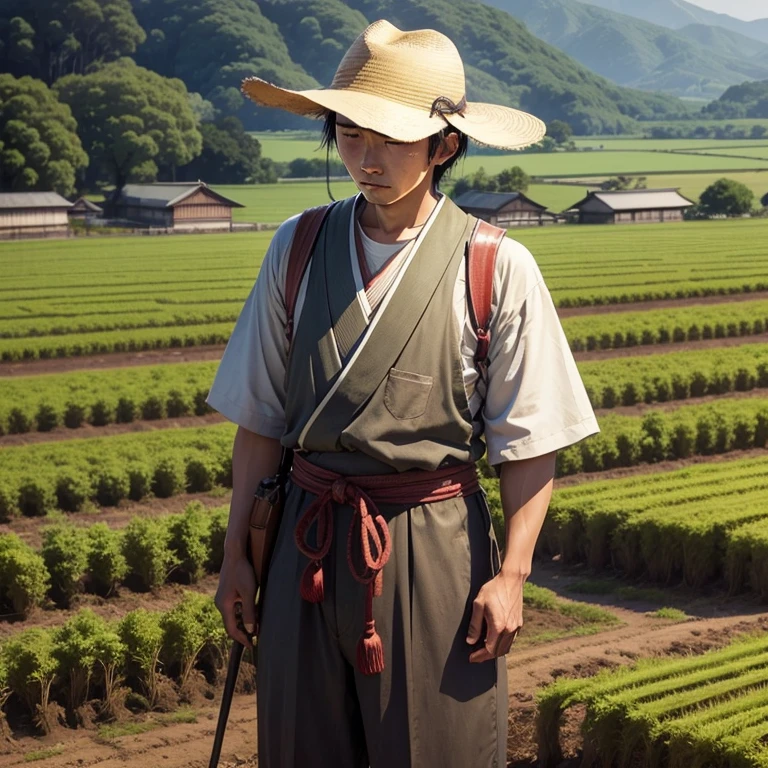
[(447, 149)]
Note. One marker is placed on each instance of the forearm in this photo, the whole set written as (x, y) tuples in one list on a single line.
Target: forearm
[(254, 457), (526, 490)]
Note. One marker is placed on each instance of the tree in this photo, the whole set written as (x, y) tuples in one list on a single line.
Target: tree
[(131, 120), (51, 38), (509, 180), (560, 131), (39, 145), (513, 179), (229, 156), (728, 197), (212, 45)]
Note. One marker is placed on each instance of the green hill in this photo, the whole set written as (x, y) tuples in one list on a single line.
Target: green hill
[(639, 54), (212, 44), (745, 100)]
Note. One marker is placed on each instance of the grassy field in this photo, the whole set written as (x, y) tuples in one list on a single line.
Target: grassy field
[(610, 143)]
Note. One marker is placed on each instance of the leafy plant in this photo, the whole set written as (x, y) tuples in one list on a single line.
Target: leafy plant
[(142, 635), (31, 669), (65, 553), (24, 579), (189, 533), (146, 549), (107, 565)]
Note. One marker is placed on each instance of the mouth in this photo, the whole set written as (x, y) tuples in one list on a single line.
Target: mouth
[(372, 185)]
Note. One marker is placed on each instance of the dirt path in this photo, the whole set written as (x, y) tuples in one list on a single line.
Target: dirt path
[(670, 405), (87, 430), (663, 349), (187, 745), (113, 360), (641, 306)]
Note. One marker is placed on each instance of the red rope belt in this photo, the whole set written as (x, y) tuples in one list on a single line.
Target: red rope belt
[(363, 493)]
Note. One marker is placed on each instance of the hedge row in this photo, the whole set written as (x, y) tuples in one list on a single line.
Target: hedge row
[(91, 658), (709, 709), (42, 403), (699, 524), (75, 474), (141, 316), (675, 375), (617, 330), (689, 430), (144, 554), (139, 340)]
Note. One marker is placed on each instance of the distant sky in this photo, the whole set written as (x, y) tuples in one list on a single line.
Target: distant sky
[(741, 9)]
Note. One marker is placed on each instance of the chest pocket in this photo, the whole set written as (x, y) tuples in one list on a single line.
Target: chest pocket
[(406, 394)]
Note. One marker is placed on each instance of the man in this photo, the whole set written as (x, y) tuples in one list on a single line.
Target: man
[(388, 612)]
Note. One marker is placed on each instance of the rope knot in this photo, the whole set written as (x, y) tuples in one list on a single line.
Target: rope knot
[(339, 490), (443, 106)]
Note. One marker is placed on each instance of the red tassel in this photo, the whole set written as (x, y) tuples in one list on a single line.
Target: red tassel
[(370, 651), (312, 588), (378, 584)]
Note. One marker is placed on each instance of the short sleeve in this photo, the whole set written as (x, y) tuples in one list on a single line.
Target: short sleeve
[(249, 386), (536, 401)]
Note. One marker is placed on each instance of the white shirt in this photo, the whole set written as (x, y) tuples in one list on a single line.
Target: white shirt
[(536, 401)]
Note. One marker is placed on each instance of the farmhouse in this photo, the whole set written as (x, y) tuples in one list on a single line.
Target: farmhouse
[(504, 209), (630, 206), (84, 210), (178, 206), (33, 214)]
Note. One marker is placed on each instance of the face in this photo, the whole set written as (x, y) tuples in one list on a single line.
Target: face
[(386, 170)]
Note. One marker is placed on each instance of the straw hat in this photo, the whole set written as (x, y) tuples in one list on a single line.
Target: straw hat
[(406, 85)]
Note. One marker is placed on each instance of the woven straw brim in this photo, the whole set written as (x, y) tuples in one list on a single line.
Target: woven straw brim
[(487, 124)]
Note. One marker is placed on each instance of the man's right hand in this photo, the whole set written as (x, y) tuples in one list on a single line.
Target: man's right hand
[(237, 584)]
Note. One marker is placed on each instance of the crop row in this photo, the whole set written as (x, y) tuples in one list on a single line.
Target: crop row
[(586, 332), (618, 330), (705, 429), (700, 524), (125, 320), (675, 375), (710, 709), (122, 395), (91, 658), (41, 403), (143, 555), (72, 475), (139, 340), (35, 479)]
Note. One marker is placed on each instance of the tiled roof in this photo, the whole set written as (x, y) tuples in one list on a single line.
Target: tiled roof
[(33, 200)]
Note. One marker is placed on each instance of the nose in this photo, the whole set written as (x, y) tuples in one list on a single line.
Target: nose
[(370, 163)]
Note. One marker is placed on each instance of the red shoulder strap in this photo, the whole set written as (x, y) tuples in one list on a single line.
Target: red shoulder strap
[(304, 238), (481, 264)]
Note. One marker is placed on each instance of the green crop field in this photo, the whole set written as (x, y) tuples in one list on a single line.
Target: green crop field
[(122, 395), (760, 153), (708, 709), (667, 526), (565, 164), (611, 143), (75, 297)]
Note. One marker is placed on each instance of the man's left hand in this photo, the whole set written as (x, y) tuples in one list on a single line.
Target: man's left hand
[(500, 605)]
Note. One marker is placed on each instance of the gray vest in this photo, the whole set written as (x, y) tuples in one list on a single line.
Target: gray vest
[(400, 402)]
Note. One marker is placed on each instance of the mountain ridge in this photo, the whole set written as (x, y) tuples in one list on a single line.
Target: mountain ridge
[(679, 13), (695, 61)]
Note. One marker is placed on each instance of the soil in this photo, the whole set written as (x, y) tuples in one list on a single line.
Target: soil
[(88, 430), (662, 466), (640, 306), (175, 744), (113, 360), (663, 349)]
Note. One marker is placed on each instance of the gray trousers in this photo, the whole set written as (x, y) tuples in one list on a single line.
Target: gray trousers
[(429, 708)]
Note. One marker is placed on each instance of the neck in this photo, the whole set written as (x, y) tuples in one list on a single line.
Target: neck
[(400, 220)]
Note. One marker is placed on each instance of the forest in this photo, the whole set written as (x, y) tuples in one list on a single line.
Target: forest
[(102, 92)]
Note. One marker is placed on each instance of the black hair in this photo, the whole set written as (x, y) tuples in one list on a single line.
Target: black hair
[(329, 140)]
